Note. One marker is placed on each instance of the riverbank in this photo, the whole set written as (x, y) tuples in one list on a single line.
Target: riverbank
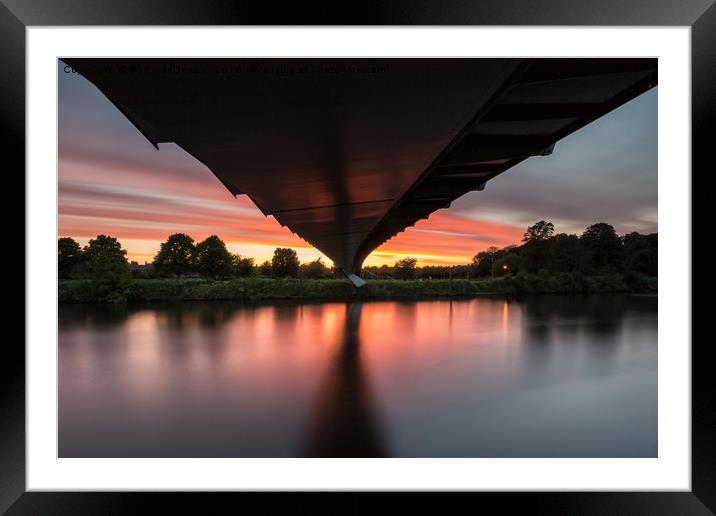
[(194, 289)]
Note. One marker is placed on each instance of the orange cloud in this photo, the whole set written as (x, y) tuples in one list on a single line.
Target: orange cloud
[(446, 239), (141, 205)]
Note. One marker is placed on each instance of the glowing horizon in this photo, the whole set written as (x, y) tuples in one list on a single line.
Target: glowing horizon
[(460, 239)]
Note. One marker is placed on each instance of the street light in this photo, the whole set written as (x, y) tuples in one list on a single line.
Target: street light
[(504, 267)]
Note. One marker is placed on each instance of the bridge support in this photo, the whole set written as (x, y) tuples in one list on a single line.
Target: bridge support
[(355, 279)]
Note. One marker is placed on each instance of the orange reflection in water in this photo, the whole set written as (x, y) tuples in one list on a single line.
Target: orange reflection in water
[(341, 379)]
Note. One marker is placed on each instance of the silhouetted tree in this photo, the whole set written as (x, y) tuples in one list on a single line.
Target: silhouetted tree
[(405, 268), (538, 231), (104, 255), (635, 242), (435, 272), (508, 263), (483, 262), (602, 247), (315, 270), (243, 266), (641, 253), (599, 250), (69, 257), (107, 264), (645, 261), (284, 263), (176, 256), (265, 269), (213, 259), (565, 253), (536, 248)]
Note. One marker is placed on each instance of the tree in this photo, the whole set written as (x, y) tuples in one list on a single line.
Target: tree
[(176, 256), (315, 270), (508, 263), (284, 263), (265, 269), (602, 247), (213, 259), (69, 256), (374, 272), (335, 273), (107, 263), (565, 254), (641, 253), (539, 231), (105, 256), (482, 262), (243, 266), (405, 268), (645, 261)]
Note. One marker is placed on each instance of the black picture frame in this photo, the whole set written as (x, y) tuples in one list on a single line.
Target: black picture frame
[(17, 15)]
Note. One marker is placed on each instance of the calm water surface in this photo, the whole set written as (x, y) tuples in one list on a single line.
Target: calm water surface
[(550, 376)]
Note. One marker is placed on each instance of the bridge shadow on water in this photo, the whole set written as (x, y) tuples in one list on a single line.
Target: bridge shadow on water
[(344, 422)]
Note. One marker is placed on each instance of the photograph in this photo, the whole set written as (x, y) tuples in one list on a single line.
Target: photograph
[(311, 259), (357, 257)]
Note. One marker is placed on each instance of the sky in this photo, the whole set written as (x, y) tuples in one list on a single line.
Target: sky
[(113, 181)]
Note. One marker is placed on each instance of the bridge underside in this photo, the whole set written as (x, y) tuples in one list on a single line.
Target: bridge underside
[(347, 153)]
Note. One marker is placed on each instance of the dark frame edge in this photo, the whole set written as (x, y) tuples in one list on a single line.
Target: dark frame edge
[(703, 390), (12, 397), (12, 121)]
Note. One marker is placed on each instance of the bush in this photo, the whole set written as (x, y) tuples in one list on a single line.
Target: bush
[(257, 288)]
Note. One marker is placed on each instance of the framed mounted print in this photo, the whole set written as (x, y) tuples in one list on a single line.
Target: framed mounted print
[(402, 255)]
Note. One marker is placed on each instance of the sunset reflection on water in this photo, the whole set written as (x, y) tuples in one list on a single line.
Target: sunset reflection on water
[(553, 376)]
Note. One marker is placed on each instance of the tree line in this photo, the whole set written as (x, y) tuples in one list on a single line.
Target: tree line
[(179, 256), (599, 250)]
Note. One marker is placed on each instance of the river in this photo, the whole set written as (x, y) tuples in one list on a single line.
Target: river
[(544, 376)]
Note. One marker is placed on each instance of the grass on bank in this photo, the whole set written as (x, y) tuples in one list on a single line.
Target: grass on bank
[(142, 290)]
